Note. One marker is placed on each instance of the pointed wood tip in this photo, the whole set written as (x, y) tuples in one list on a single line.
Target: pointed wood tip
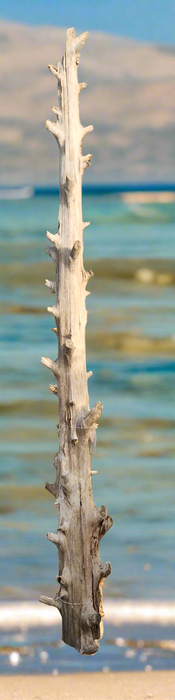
[(50, 364), (50, 236), (86, 223), (51, 126), (80, 41), (105, 570), (86, 161), (52, 68), (88, 275), (52, 537), (51, 488), (46, 600), (82, 86), (50, 285), (53, 310), (56, 130), (46, 362), (54, 389), (92, 417), (54, 71), (87, 129), (105, 525), (54, 238), (56, 111)]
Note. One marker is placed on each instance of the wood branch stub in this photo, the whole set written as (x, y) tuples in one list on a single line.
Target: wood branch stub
[(82, 86), (93, 415), (56, 130), (80, 524), (85, 224), (50, 285), (50, 364), (86, 161), (54, 71), (53, 310), (75, 251), (57, 111), (51, 488), (89, 275), (80, 41), (50, 601), (105, 570), (54, 389), (54, 238), (86, 130)]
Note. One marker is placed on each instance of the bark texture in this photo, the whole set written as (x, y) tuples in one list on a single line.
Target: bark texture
[(81, 524)]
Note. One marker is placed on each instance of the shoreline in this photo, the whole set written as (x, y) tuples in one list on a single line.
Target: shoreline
[(158, 685)]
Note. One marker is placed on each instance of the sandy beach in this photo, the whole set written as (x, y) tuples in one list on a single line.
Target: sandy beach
[(158, 685)]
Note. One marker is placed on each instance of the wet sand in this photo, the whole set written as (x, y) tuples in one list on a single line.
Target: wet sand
[(158, 685)]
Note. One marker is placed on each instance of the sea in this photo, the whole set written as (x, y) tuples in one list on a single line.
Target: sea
[(130, 246)]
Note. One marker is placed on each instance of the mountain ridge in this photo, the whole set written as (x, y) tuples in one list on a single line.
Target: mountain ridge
[(129, 99)]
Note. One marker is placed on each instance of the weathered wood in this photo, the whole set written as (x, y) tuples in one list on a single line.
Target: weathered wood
[(81, 524)]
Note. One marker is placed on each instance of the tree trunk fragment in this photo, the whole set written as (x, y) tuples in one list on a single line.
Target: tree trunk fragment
[(81, 524)]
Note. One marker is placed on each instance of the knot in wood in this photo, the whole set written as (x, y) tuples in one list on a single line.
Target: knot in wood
[(69, 348)]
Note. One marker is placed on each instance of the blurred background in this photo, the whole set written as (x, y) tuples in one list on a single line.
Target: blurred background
[(129, 198)]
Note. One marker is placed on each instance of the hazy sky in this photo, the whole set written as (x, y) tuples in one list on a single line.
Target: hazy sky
[(145, 20)]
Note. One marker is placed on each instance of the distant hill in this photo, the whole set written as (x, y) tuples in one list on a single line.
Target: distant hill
[(130, 100)]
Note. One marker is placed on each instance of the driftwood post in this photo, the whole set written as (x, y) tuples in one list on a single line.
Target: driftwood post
[(81, 524)]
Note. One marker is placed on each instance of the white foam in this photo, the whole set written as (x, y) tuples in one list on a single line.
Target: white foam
[(27, 614)]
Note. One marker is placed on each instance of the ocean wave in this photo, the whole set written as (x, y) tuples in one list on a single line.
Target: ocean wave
[(26, 615)]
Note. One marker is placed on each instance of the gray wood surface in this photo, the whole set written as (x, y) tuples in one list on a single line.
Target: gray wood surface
[(81, 524)]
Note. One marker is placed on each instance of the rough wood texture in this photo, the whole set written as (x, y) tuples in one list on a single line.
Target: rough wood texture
[(81, 524)]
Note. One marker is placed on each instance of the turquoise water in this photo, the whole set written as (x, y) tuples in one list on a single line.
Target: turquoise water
[(131, 350)]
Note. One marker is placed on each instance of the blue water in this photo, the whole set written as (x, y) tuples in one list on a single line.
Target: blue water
[(136, 435), (110, 656)]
